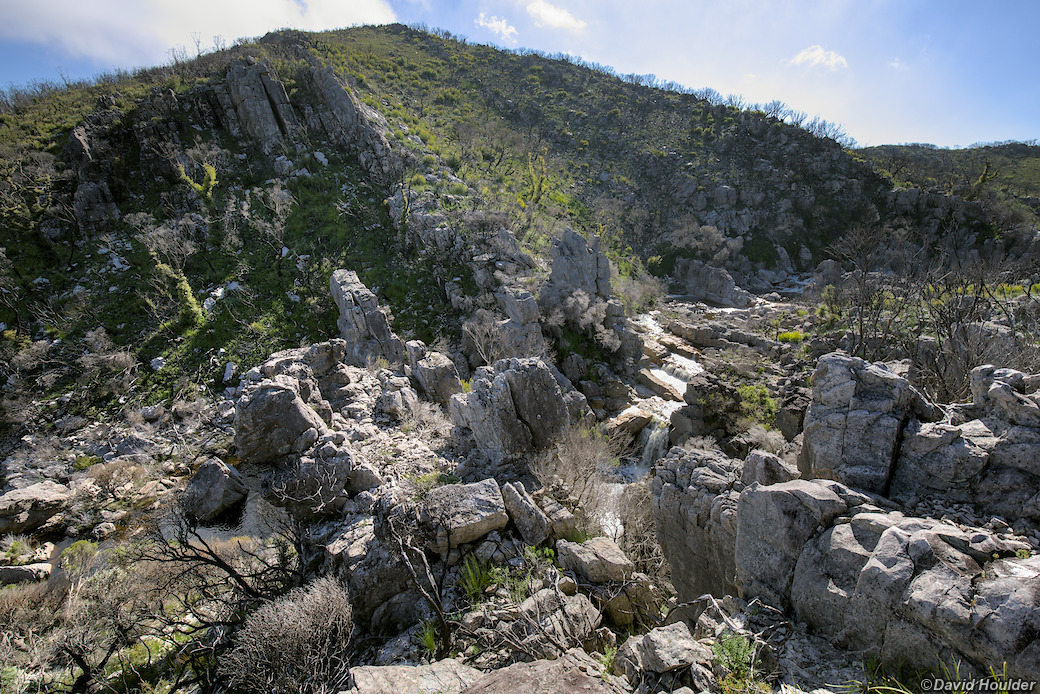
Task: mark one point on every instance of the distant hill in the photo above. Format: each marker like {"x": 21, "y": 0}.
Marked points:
{"x": 193, "y": 212}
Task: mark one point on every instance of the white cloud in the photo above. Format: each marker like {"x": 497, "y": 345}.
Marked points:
{"x": 897, "y": 64}
{"x": 547, "y": 14}
{"x": 497, "y": 26}
{"x": 135, "y": 32}
{"x": 816, "y": 56}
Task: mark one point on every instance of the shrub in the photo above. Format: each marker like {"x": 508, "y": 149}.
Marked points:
{"x": 475, "y": 577}
{"x": 734, "y": 652}
{"x": 791, "y": 336}
{"x": 756, "y": 405}
{"x": 295, "y": 644}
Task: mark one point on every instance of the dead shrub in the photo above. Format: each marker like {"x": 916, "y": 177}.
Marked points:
{"x": 298, "y": 643}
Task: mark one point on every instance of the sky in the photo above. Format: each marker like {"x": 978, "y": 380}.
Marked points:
{"x": 947, "y": 72}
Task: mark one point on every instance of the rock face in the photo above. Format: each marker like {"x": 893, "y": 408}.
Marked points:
{"x": 213, "y": 488}
{"x": 870, "y": 429}
{"x": 513, "y": 407}
{"x": 436, "y": 374}
{"x": 362, "y": 323}
{"x": 695, "y": 513}
{"x": 463, "y": 513}
{"x": 25, "y": 510}
{"x": 260, "y": 101}
{"x": 579, "y": 294}
{"x": 855, "y": 423}
{"x": 710, "y": 284}
{"x": 272, "y": 420}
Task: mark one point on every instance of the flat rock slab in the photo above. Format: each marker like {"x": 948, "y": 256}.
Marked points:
{"x": 445, "y": 677}
{"x": 597, "y": 560}
{"x": 571, "y": 674}
{"x": 466, "y": 512}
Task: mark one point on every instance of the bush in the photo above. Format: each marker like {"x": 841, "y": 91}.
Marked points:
{"x": 295, "y": 644}
{"x": 792, "y": 336}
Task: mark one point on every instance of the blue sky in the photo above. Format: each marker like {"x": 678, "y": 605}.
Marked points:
{"x": 949, "y": 72}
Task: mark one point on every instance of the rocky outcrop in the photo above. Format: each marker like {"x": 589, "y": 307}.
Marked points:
{"x": 261, "y": 104}
{"x": 528, "y": 518}
{"x": 434, "y": 372}
{"x": 513, "y": 407}
{"x": 362, "y": 323}
{"x": 709, "y": 284}
{"x": 712, "y": 409}
{"x": 273, "y": 420}
{"x": 578, "y": 294}
{"x": 668, "y": 649}
{"x": 214, "y": 488}
{"x": 855, "y": 423}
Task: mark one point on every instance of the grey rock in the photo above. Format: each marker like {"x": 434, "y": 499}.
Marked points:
{"x": 694, "y": 497}
{"x": 663, "y": 649}
{"x": 214, "y": 488}
{"x": 765, "y": 468}
{"x": 362, "y": 323}
{"x": 597, "y": 560}
{"x": 710, "y": 284}
{"x": 436, "y": 373}
{"x": 573, "y": 673}
{"x": 463, "y": 513}
{"x": 444, "y": 676}
{"x": 527, "y": 517}
{"x": 514, "y": 407}
{"x": 271, "y": 418}
{"x": 855, "y": 422}
{"x": 773, "y": 525}
{"x": 26, "y": 573}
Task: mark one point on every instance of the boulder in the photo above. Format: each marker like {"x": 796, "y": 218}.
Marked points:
{"x": 435, "y": 373}
{"x": 444, "y": 676}
{"x": 551, "y": 622}
{"x": 710, "y": 284}
{"x": 25, "y": 510}
{"x": 463, "y": 513}
{"x": 514, "y": 407}
{"x": 214, "y": 488}
{"x": 26, "y": 573}
{"x": 694, "y": 497}
{"x": 664, "y": 649}
{"x": 597, "y": 560}
{"x": 525, "y": 514}
{"x": 562, "y": 523}
{"x": 856, "y": 420}
{"x": 362, "y": 323}
{"x": 272, "y": 420}
{"x": 261, "y": 103}
{"x": 765, "y": 468}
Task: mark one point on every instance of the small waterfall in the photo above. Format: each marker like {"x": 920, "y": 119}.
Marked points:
{"x": 656, "y": 445}
{"x": 682, "y": 368}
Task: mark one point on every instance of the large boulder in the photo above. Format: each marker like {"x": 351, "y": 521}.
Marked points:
{"x": 25, "y": 510}
{"x": 272, "y": 420}
{"x": 362, "y": 323}
{"x": 214, "y": 488}
{"x": 436, "y": 373}
{"x": 666, "y": 649}
{"x": 856, "y": 420}
{"x": 695, "y": 513}
{"x": 710, "y": 284}
{"x": 463, "y": 513}
{"x": 597, "y": 560}
{"x": 514, "y": 407}
{"x": 528, "y": 518}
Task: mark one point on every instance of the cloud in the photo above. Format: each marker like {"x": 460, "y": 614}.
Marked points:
{"x": 816, "y": 56}
{"x": 897, "y": 64}
{"x": 497, "y": 26}
{"x": 135, "y": 32}
{"x": 547, "y": 14}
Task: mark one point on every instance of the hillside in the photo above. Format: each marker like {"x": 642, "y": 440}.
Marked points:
{"x": 372, "y": 361}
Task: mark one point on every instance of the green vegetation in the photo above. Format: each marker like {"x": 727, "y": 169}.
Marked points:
{"x": 475, "y": 578}
{"x": 757, "y": 405}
